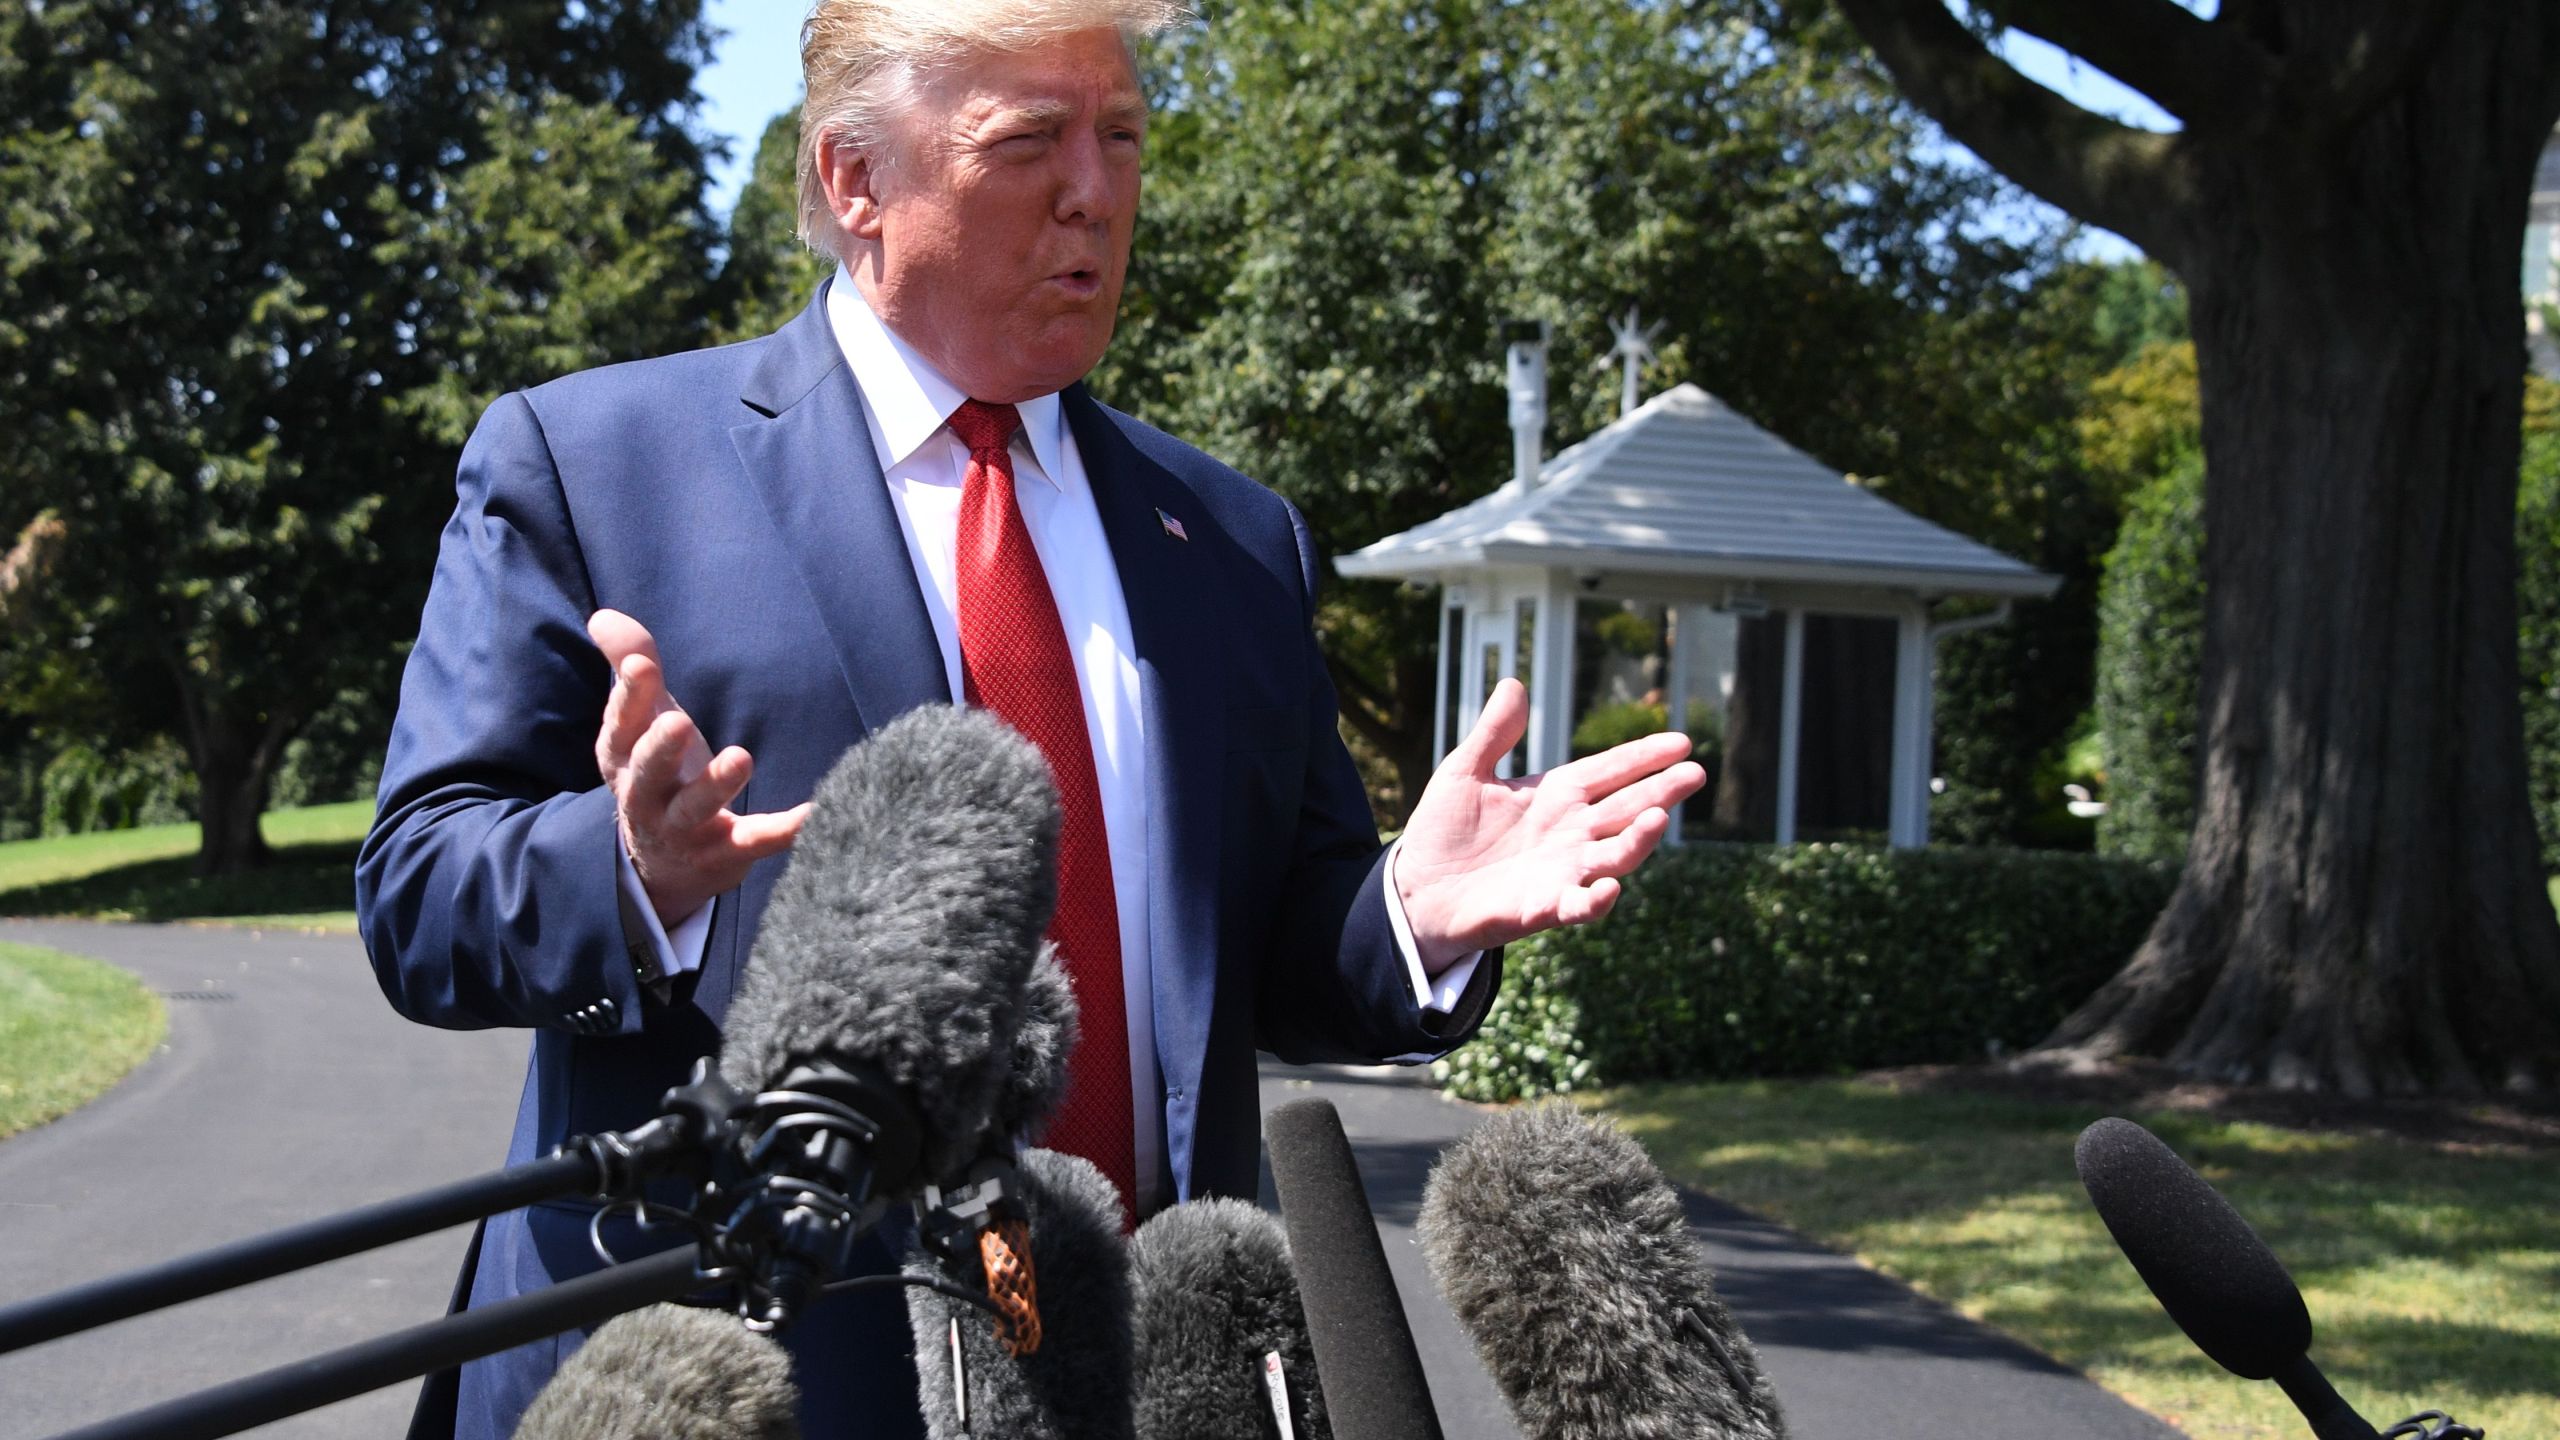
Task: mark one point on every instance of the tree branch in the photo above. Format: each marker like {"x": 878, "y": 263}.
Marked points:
{"x": 2359, "y": 66}
{"x": 2131, "y": 181}
{"x": 2204, "y": 74}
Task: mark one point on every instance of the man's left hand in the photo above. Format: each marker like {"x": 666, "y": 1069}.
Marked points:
{"x": 1485, "y": 861}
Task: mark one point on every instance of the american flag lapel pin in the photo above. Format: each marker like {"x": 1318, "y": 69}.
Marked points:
{"x": 1172, "y": 526}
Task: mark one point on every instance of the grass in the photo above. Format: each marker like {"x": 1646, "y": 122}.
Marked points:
{"x": 69, "y": 1028}
{"x": 146, "y": 874}
{"x": 2432, "y": 1275}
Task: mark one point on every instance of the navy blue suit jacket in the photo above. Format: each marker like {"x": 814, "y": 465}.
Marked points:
{"x": 730, "y": 501}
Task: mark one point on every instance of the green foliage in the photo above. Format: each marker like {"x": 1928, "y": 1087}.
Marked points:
{"x": 770, "y": 275}
{"x": 83, "y": 789}
{"x": 1343, "y": 200}
{"x": 256, "y": 264}
{"x": 1725, "y": 961}
{"x": 2538, "y": 631}
{"x": 1603, "y": 726}
{"x": 2150, "y": 657}
{"x": 2151, "y": 652}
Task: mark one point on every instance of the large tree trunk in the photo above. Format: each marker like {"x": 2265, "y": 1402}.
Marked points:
{"x": 235, "y": 760}
{"x": 2362, "y": 908}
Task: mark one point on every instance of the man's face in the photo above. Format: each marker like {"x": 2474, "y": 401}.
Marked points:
{"x": 997, "y": 235}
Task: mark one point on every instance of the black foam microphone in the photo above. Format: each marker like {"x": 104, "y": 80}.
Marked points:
{"x": 1075, "y": 1385}
{"x": 1223, "y": 1349}
{"x": 877, "y": 1020}
{"x": 669, "y": 1372}
{"x": 1372, "y": 1377}
{"x": 2210, "y": 1270}
{"x": 1567, "y": 1257}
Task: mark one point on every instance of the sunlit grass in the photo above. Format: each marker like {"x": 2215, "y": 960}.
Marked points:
{"x": 146, "y": 874}
{"x": 69, "y": 1028}
{"x": 2433, "y": 1276}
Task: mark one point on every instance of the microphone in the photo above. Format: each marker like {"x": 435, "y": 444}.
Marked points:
{"x": 1075, "y": 1384}
{"x": 669, "y": 1372}
{"x": 1371, "y": 1375}
{"x": 1223, "y": 1349}
{"x": 1036, "y": 1079}
{"x": 2209, "y": 1269}
{"x": 878, "y": 1016}
{"x": 1566, "y": 1256}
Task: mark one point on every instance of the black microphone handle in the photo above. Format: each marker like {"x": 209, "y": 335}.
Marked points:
{"x": 2331, "y": 1417}
{"x": 1374, "y": 1385}
{"x": 405, "y": 1355}
{"x": 263, "y": 1257}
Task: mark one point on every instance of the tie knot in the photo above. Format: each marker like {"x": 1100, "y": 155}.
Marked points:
{"x": 985, "y": 428}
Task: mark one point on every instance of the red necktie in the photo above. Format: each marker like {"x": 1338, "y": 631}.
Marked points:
{"x": 1015, "y": 662}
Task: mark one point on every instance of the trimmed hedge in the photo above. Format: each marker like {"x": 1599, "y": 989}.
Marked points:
{"x": 2150, "y": 649}
{"x": 1723, "y": 961}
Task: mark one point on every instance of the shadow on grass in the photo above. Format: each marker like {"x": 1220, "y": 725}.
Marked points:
{"x": 2430, "y": 1270}
{"x": 297, "y": 879}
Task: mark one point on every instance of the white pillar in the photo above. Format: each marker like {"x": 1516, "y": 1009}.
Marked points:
{"x": 1551, "y": 675}
{"x": 1908, "y": 825}
{"x": 1790, "y": 726}
{"x": 1675, "y": 693}
{"x": 1452, "y": 634}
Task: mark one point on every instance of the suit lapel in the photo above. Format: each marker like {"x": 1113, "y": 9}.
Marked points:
{"x": 810, "y": 460}
{"x": 1170, "y": 587}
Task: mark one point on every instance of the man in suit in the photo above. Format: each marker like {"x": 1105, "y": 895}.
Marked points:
{"x": 904, "y": 497}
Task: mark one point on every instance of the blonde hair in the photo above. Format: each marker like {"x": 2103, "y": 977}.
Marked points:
{"x": 862, "y": 59}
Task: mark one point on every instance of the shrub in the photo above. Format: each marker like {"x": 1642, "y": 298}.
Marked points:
{"x": 1730, "y": 960}
{"x": 2150, "y": 654}
{"x": 2150, "y": 649}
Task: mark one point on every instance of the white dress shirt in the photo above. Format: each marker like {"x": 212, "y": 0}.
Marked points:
{"x": 905, "y": 405}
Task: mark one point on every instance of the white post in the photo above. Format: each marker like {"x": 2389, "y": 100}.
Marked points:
{"x": 1908, "y": 824}
{"x": 1675, "y": 693}
{"x": 1504, "y": 617}
{"x": 1790, "y": 726}
{"x": 1452, "y": 629}
{"x": 1551, "y": 676}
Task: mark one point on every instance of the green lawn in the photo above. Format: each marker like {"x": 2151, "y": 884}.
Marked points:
{"x": 69, "y": 1028}
{"x": 2432, "y": 1273}
{"x": 144, "y": 874}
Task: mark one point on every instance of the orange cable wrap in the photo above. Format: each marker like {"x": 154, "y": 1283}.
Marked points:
{"x": 1005, "y": 1249}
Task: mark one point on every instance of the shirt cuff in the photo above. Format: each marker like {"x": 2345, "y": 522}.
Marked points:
{"x": 1437, "y": 994}
{"x": 679, "y": 951}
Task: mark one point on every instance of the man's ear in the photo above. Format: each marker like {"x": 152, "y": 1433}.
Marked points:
{"x": 850, "y": 182}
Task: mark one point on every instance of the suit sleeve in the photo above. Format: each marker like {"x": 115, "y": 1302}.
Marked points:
{"x": 1336, "y": 988}
{"x": 487, "y": 892}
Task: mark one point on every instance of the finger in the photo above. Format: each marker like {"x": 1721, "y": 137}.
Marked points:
{"x": 1586, "y": 903}
{"x": 1621, "y": 765}
{"x": 1624, "y": 851}
{"x": 1498, "y": 729}
{"x": 1610, "y": 813}
{"x": 634, "y": 702}
{"x": 657, "y": 769}
{"x": 620, "y": 637}
{"x": 757, "y": 836}
{"x": 710, "y": 793}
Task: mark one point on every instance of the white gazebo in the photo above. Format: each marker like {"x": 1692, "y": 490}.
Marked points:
{"x": 1727, "y": 549}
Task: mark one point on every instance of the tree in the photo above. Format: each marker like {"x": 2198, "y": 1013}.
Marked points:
{"x": 769, "y": 274}
{"x": 1327, "y": 247}
{"x": 234, "y": 343}
{"x": 2361, "y": 910}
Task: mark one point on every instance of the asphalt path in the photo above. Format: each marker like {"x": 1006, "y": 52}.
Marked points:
{"x": 288, "y": 1091}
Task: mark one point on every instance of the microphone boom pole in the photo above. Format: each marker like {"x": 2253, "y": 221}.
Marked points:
{"x": 406, "y": 1354}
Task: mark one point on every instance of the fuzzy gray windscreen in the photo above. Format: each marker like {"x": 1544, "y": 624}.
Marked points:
{"x": 905, "y": 927}
{"x": 1567, "y": 1258}
{"x": 1076, "y": 1385}
{"x": 1037, "y": 1080}
{"x": 669, "y": 1372}
{"x": 1215, "y": 1294}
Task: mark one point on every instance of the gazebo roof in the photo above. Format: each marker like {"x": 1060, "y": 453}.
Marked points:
{"x": 1684, "y": 486}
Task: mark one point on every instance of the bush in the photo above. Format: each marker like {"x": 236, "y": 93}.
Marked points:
{"x": 2150, "y": 654}
{"x": 1728, "y": 960}
{"x": 2151, "y": 642}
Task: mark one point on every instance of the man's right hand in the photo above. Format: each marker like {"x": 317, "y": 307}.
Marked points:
{"x": 670, "y": 793}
